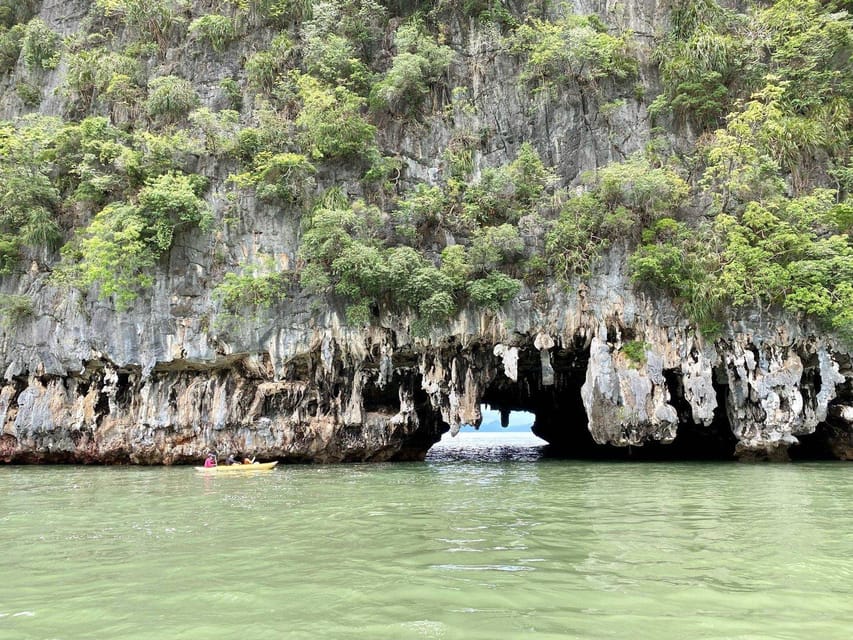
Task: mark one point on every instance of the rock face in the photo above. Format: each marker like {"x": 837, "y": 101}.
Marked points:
{"x": 606, "y": 370}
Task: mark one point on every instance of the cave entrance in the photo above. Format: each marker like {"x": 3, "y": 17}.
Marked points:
{"x": 501, "y": 436}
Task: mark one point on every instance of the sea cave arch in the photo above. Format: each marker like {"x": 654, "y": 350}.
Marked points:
{"x": 547, "y": 384}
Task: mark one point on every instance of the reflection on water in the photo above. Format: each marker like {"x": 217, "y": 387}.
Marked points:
{"x": 469, "y": 545}
{"x": 487, "y": 447}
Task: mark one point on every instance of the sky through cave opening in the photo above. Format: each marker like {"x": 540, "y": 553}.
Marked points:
{"x": 491, "y": 442}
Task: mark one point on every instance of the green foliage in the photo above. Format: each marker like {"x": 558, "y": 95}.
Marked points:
{"x": 646, "y": 191}
{"x": 276, "y": 13}
{"x": 423, "y": 209}
{"x": 810, "y": 43}
{"x": 419, "y": 64}
{"x": 232, "y": 90}
{"x": 494, "y": 290}
{"x": 505, "y": 194}
{"x": 10, "y": 46}
{"x": 98, "y": 76}
{"x": 494, "y": 246}
{"x": 574, "y": 49}
{"x": 623, "y": 199}
{"x": 265, "y": 69}
{"x": 331, "y": 228}
{"x": 635, "y": 351}
{"x": 455, "y": 266}
{"x": 28, "y": 199}
{"x": 239, "y": 292}
{"x": 684, "y": 263}
{"x": 15, "y": 12}
{"x": 706, "y": 56}
{"x": 219, "y": 130}
{"x": 14, "y": 309}
{"x": 360, "y": 22}
{"x": 331, "y": 122}
{"x": 40, "y": 45}
{"x": 113, "y": 252}
{"x": 283, "y": 177}
{"x": 789, "y": 253}
{"x": 28, "y": 93}
{"x": 214, "y": 29}
{"x": 333, "y": 59}
{"x": 146, "y": 20}
{"x": 170, "y": 98}
{"x": 124, "y": 241}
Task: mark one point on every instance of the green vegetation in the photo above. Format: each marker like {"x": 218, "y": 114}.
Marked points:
{"x": 622, "y": 199}
{"x": 744, "y": 203}
{"x": 118, "y": 249}
{"x": 14, "y": 309}
{"x": 40, "y": 45}
{"x": 170, "y": 98}
{"x": 572, "y": 48}
{"x": 216, "y": 30}
{"x": 252, "y": 290}
{"x": 635, "y": 351}
{"x": 420, "y": 62}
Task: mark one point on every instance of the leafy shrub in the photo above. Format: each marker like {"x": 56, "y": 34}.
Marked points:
{"x": 505, "y": 194}
{"x": 330, "y": 121}
{"x": 572, "y": 49}
{"x": 40, "y": 45}
{"x": 112, "y": 252}
{"x": 124, "y": 241}
{"x": 286, "y": 177}
{"x": 279, "y": 13}
{"x": 333, "y": 59}
{"x": 146, "y": 20}
{"x": 250, "y": 290}
{"x": 232, "y": 91}
{"x": 419, "y": 64}
{"x": 10, "y": 47}
{"x": 360, "y": 22}
{"x": 170, "y": 201}
{"x": 635, "y": 351}
{"x": 647, "y": 192}
{"x": 492, "y": 247}
{"x": 422, "y": 209}
{"x": 100, "y": 75}
{"x": 624, "y": 198}
{"x": 215, "y": 29}
{"x": 494, "y": 290}
{"x": 170, "y": 98}
{"x": 704, "y": 61}
{"x": 28, "y": 93}
{"x": 41, "y": 229}
{"x": 14, "y": 309}
{"x": 28, "y": 198}
{"x": 219, "y": 130}
{"x": 15, "y": 12}
{"x": 265, "y": 68}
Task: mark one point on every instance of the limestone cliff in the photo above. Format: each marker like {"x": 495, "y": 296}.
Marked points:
{"x": 175, "y": 375}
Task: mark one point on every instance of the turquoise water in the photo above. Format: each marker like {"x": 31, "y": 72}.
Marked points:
{"x": 474, "y": 543}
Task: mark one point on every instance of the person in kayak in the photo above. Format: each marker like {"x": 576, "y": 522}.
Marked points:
{"x": 230, "y": 460}
{"x": 211, "y": 460}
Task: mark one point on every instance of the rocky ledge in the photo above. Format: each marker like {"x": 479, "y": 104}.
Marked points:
{"x": 606, "y": 371}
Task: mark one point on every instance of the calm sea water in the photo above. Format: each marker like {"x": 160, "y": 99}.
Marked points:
{"x": 475, "y": 543}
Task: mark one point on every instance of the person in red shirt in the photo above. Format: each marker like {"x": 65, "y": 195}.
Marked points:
{"x": 211, "y": 460}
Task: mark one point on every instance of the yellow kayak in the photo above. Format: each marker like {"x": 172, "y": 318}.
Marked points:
{"x": 238, "y": 468}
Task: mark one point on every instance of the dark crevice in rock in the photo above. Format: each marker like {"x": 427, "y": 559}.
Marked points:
{"x": 696, "y": 441}
{"x": 823, "y": 444}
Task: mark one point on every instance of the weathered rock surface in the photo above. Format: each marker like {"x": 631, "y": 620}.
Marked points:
{"x": 173, "y": 378}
